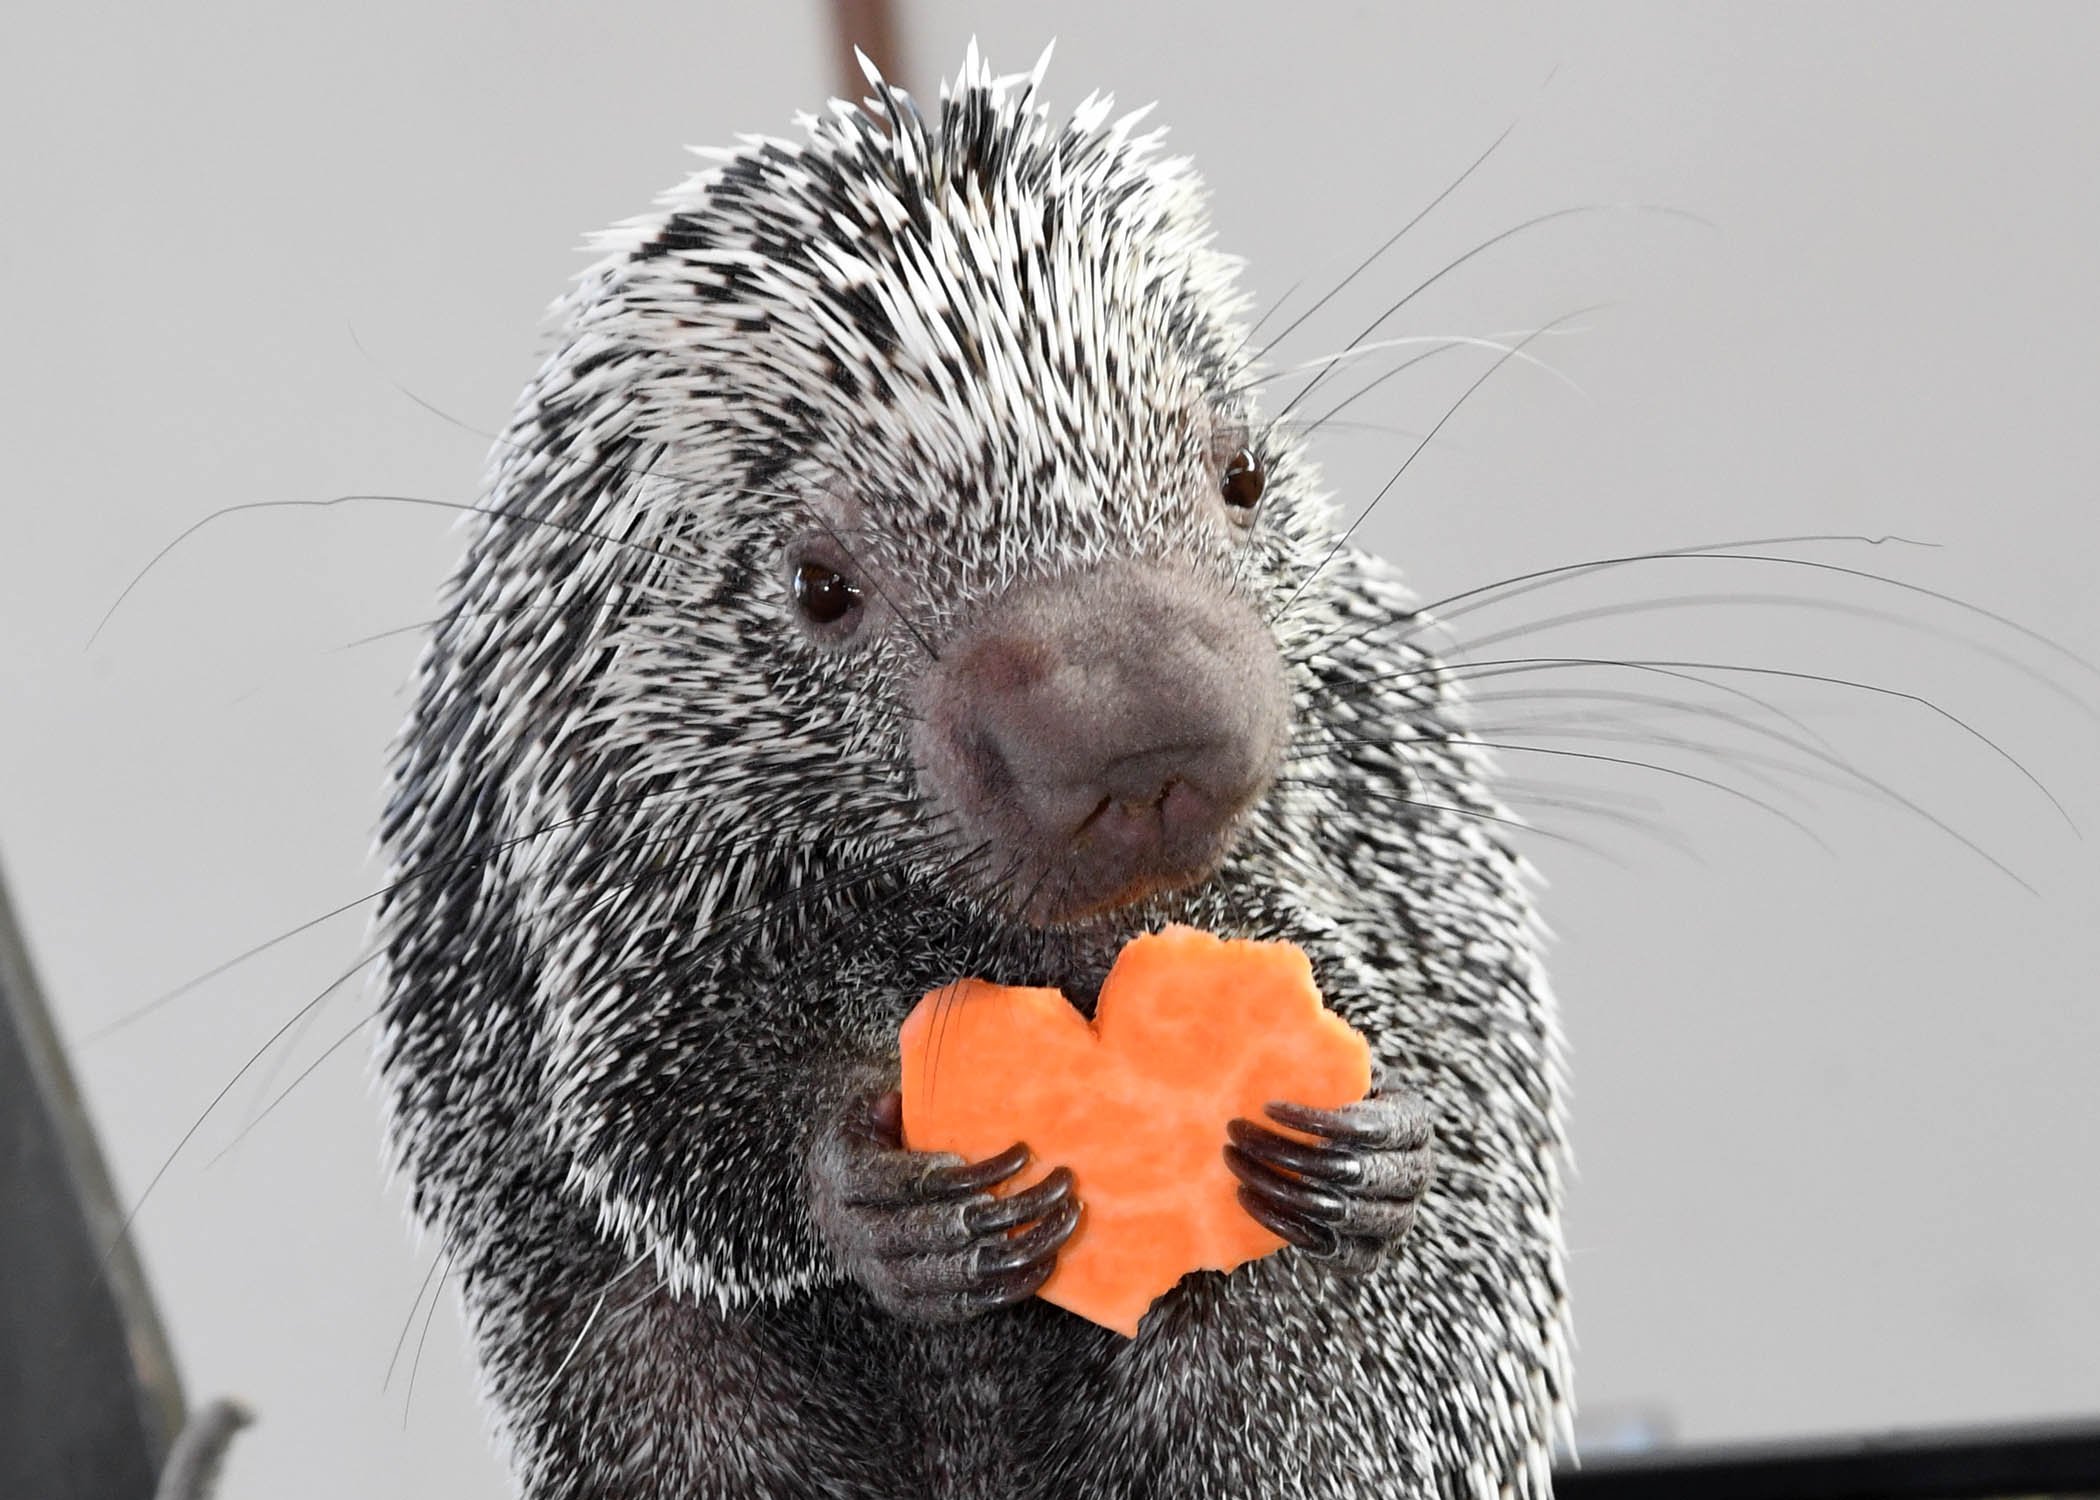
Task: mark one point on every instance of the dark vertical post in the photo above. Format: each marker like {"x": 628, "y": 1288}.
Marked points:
{"x": 89, "y": 1402}
{"x": 870, "y": 25}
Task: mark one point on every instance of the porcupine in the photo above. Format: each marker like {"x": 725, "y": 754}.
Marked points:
{"x": 888, "y": 578}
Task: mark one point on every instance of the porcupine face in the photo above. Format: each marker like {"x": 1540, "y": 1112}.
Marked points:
{"x": 966, "y": 402}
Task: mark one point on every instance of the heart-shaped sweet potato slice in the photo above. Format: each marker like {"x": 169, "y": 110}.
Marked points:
{"x": 1191, "y": 1031}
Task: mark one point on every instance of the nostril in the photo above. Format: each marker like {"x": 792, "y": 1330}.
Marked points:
{"x": 1189, "y": 815}
{"x": 1087, "y": 823}
{"x": 1120, "y": 827}
{"x": 1177, "y": 816}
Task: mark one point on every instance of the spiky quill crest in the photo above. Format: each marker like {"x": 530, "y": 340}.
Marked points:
{"x": 664, "y": 877}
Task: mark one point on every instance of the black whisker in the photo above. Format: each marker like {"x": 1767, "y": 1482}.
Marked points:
{"x": 409, "y": 1322}
{"x": 1478, "y": 816}
{"x": 1233, "y": 359}
{"x": 1792, "y": 720}
{"x": 305, "y": 1073}
{"x": 1677, "y": 771}
{"x": 1368, "y": 261}
{"x": 1543, "y": 576}
{"x": 1485, "y": 245}
{"x": 124, "y": 1228}
{"x": 408, "y": 1399}
{"x": 1438, "y": 612}
{"x": 1449, "y": 412}
{"x": 493, "y": 512}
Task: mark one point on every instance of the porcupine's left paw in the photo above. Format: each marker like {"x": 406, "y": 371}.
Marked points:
{"x": 1349, "y": 1195}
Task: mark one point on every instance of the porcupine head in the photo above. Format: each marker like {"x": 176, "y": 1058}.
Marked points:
{"x": 887, "y": 578}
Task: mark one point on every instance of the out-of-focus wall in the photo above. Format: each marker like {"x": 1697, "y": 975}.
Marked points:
{"x": 1835, "y": 1111}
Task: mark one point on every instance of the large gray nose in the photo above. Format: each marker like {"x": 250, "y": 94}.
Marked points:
{"x": 1100, "y": 733}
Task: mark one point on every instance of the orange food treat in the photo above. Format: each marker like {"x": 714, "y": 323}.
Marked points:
{"x": 1191, "y": 1031}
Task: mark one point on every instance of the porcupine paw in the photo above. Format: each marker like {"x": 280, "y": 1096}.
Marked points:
{"x": 922, "y": 1230}
{"x": 1348, "y": 1196}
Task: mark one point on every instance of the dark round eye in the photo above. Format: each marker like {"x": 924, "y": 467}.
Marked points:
{"x": 823, "y": 594}
{"x": 1242, "y": 485}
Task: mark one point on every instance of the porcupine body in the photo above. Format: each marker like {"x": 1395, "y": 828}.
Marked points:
{"x": 668, "y": 880}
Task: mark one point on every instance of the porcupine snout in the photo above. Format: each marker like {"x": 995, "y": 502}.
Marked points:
{"x": 1100, "y": 733}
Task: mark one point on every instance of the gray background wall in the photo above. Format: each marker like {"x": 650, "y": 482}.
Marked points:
{"x": 1835, "y": 1112}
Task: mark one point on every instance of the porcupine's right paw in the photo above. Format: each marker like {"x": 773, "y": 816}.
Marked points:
{"x": 922, "y": 1230}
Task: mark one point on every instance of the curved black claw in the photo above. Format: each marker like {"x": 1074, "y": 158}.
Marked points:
{"x": 1313, "y": 1238}
{"x": 1350, "y": 1194}
{"x": 923, "y": 1231}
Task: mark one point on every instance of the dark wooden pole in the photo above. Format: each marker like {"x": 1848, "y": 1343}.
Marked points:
{"x": 870, "y": 25}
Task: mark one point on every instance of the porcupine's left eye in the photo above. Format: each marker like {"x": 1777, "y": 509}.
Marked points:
{"x": 823, "y": 594}
{"x": 1242, "y": 484}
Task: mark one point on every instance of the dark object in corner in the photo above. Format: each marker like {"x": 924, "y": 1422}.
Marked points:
{"x": 1979, "y": 1464}
{"x": 89, "y": 1401}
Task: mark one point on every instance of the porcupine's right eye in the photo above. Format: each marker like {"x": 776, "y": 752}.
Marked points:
{"x": 1242, "y": 484}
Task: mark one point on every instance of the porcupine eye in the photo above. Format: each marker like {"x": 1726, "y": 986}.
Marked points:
{"x": 1242, "y": 486}
{"x": 823, "y": 594}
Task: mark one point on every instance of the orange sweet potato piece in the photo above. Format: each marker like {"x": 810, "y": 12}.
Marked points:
{"x": 1191, "y": 1031}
